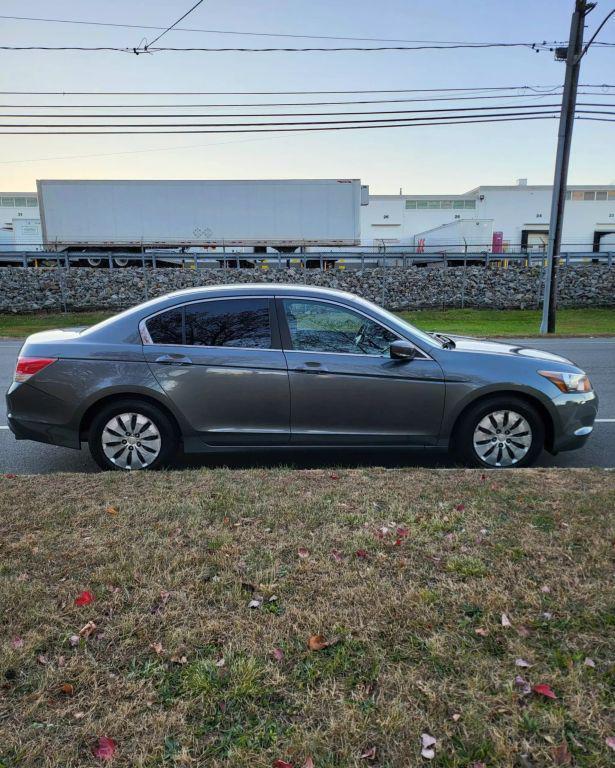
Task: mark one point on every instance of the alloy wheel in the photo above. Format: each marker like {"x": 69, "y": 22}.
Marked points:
{"x": 131, "y": 441}
{"x": 502, "y": 438}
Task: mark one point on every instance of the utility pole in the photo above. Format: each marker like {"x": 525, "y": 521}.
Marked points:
{"x": 569, "y": 101}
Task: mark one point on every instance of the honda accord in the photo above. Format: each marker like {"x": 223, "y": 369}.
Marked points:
{"x": 245, "y": 367}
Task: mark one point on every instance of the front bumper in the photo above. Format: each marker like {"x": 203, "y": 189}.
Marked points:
{"x": 573, "y": 421}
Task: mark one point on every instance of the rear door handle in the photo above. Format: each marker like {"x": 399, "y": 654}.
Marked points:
{"x": 173, "y": 360}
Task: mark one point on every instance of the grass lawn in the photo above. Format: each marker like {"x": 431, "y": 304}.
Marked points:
{"x": 473, "y": 322}
{"x": 513, "y": 322}
{"x": 434, "y": 591}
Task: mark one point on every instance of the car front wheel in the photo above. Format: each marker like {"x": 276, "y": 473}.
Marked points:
{"x": 500, "y": 433}
{"x": 132, "y": 435}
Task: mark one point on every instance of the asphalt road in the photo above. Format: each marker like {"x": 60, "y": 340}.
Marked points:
{"x": 596, "y": 356}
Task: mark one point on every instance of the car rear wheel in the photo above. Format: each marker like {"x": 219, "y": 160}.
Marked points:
{"x": 132, "y": 435}
{"x": 500, "y": 433}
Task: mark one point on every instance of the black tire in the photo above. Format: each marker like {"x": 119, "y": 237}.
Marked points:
{"x": 463, "y": 438}
{"x": 167, "y": 444}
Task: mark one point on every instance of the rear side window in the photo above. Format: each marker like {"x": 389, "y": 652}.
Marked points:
{"x": 229, "y": 323}
{"x": 166, "y": 328}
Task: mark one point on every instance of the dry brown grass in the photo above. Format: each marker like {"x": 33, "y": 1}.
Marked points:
{"x": 186, "y": 552}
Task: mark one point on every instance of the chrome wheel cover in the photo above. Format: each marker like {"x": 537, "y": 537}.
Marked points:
{"x": 502, "y": 438}
{"x": 131, "y": 441}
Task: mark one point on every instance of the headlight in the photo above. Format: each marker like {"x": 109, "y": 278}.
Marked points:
{"x": 568, "y": 382}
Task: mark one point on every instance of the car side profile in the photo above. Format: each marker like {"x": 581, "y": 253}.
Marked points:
{"x": 244, "y": 367}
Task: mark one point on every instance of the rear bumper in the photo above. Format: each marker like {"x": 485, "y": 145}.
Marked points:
{"x": 35, "y": 415}
{"x": 574, "y": 420}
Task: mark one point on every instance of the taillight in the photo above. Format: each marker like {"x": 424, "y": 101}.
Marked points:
{"x": 28, "y": 366}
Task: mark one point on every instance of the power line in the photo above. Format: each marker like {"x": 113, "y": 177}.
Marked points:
{"x": 401, "y": 123}
{"x": 175, "y": 23}
{"x": 591, "y": 40}
{"x": 297, "y": 103}
{"x": 294, "y": 93}
{"x": 176, "y": 115}
{"x": 361, "y": 49}
{"x": 226, "y": 31}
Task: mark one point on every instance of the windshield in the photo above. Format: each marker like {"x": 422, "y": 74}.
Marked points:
{"x": 396, "y": 320}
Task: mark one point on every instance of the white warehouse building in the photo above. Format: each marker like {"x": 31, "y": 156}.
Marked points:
{"x": 498, "y": 219}
{"x": 506, "y": 218}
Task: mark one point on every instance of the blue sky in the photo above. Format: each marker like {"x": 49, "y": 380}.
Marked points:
{"x": 422, "y": 160}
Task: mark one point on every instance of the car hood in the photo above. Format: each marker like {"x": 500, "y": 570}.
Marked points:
{"x": 485, "y": 347}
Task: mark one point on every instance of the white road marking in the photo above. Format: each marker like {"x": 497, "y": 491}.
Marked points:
{"x": 605, "y": 421}
{"x": 3, "y": 427}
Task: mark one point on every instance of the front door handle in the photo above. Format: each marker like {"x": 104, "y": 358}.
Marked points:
{"x": 173, "y": 360}
{"x": 311, "y": 368}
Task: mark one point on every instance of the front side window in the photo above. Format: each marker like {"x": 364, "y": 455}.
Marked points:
{"x": 321, "y": 327}
{"x": 229, "y": 323}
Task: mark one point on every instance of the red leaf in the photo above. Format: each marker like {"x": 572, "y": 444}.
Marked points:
{"x": 278, "y": 654}
{"x": 281, "y": 764}
{"x": 460, "y": 507}
{"x": 104, "y": 748}
{"x": 10, "y": 476}
{"x": 337, "y": 555}
{"x": 17, "y": 642}
{"x": 85, "y": 598}
{"x": 303, "y": 552}
{"x": 334, "y": 476}
{"x": 401, "y": 532}
{"x": 361, "y": 554}
{"x": 544, "y": 690}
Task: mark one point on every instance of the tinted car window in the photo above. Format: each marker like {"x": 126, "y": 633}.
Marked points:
{"x": 166, "y": 328}
{"x": 321, "y": 327}
{"x": 229, "y": 323}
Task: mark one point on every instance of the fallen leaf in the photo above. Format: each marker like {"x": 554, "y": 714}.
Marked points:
{"x": 542, "y": 689}
{"x": 282, "y": 764}
{"x": 333, "y": 476}
{"x": 523, "y": 631}
{"x": 610, "y": 741}
{"x": 178, "y": 658}
{"x": 17, "y": 642}
{"x": 42, "y": 659}
{"x": 87, "y": 630}
{"x": 303, "y": 552}
{"x": 481, "y": 632}
{"x": 561, "y": 755}
{"x": 401, "y": 531}
{"x": 545, "y": 589}
{"x": 157, "y": 648}
{"x": 221, "y": 662}
{"x": 73, "y": 640}
{"x": 337, "y": 555}
{"x": 317, "y": 643}
{"x": 278, "y": 654}
{"x": 85, "y": 598}
{"x": 522, "y": 663}
{"x": 104, "y": 748}
{"x": 254, "y": 603}
{"x": 112, "y": 510}
{"x": 361, "y": 554}
{"x": 369, "y": 753}
{"x": 309, "y": 763}
{"x": 460, "y": 507}
{"x": 547, "y": 616}
{"x": 505, "y": 621}
{"x": 67, "y": 689}
{"x": 456, "y": 717}
{"x": 589, "y": 662}
{"x": 479, "y": 765}
{"x": 525, "y": 687}
{"x": 10, "y": 476}
{"x": 428, "y": 744}
{"x": 79, "y": 715}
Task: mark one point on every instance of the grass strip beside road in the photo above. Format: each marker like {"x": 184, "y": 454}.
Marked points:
{"x": 471, "y": 322}
{"x": 413, "y": 577}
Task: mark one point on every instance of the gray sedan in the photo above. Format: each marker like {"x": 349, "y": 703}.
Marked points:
{"x": 254, "y": 366}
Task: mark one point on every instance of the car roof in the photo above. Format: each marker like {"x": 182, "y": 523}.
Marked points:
{"x": 256, "y": 289}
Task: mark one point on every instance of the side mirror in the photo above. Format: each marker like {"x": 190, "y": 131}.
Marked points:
{"x": 402, "y": 350}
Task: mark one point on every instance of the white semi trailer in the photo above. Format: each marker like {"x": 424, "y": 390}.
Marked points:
{"x": 239, "y": 216}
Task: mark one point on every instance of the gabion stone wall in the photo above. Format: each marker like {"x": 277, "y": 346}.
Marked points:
{"x": 80, "y": 288}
